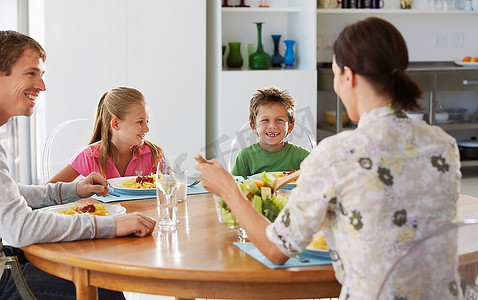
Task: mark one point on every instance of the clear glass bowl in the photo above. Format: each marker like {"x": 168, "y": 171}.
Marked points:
{"x": 227, "y": 218}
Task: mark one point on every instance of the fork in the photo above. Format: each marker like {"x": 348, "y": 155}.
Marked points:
{"x": 194, "y": 183}
{"x": 302, "y": 259}
{"x": 111, "y": 190}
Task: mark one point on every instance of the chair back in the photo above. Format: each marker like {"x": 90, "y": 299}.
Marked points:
{"x": 11, "y": 263}
{"x": 245, "y": 137}
{"x": 414, "y": 274}
{"x": 62, "y": 143}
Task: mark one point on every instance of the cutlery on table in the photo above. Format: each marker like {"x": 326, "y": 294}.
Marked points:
{"x": 111, "y": 190}
{"x": 301, "y": 259}
{"x": 194, "y": 183}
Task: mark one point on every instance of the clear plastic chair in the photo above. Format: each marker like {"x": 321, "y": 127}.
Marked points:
{"x": 244, "y": 137}
{"x": 62, "y": 143}
{"x": 11, "y": 262}
{"x": 405, "y": 278}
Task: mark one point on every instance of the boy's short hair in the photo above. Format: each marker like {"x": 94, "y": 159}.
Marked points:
{"x": 12, "y": 46}
{"x": 268, "y": 96}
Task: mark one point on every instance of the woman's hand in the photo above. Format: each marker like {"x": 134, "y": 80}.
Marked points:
{"x": 215, "y": 178}
{"x": 136, "y": 223}
{"x": 92, "y": 184}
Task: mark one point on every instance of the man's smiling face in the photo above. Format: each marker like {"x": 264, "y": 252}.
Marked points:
{"x": 19, "y": 90}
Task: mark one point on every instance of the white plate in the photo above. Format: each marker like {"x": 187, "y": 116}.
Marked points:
{"x": 113, "y": 210}
{"x": 117, "y": 184}
{"x": 466, "y": 64}
{"x": 257, "y": 177}
{"x": 311, "y": 250}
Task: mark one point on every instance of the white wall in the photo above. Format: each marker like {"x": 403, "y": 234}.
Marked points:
{"x": 8, "y": 15}
{"x": 95, "y": 45}
{"x": 419, "y": 29}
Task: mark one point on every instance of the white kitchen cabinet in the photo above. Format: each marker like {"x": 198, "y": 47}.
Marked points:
{"x": 431, "y": 35}
{"x": 229, "y": 90}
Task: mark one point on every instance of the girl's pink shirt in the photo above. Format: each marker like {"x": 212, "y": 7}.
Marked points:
{"x": 86, "y": 161}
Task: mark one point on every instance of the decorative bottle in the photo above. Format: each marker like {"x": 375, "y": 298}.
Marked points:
{"x": 276, "y": 59}
{"x": 259, "y": 60}
{"x": 234, "y": 59}
{"x": 289, "y": 58}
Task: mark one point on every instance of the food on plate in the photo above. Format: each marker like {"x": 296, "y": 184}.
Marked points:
{"x": 261, "y": 199}
{"x": 264, "y": 175}
{"x": 96, "y": 209}
{"x": 319, "y": 243}
{"x": 141, "y": 182}
{"x": 470, "y": 59}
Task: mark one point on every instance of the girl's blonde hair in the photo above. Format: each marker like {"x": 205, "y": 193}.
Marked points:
{"x": 117, "y": 102}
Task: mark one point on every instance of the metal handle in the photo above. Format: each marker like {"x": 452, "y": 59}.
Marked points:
{"x": 469, "y": 82}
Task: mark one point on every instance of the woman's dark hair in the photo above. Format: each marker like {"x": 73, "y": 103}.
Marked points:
{"x": 375, "y": 49}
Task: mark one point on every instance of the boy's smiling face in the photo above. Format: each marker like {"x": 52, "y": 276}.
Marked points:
{"x": 272, "y": 126}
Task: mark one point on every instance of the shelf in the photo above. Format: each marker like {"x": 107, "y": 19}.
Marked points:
{"x": 267, "y": 70}
{"x": 458, "y": 126}
{"x": 469, "y": 163}
{"x": 260, "y": 9}
{"x": 383, "y": 11}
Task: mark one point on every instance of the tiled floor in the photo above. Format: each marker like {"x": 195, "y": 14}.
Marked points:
{"x": 469, "y": 186}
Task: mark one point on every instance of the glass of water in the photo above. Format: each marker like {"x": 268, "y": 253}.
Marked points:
{"x": 167, "y": 184}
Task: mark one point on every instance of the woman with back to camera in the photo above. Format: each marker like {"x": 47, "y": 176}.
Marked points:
{"x": 118, "y": 147}
{"x": 373, "y": 190}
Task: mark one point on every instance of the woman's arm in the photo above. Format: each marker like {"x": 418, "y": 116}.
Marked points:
{"x": 218, "y": 181}
{"x": 67, "y": 174}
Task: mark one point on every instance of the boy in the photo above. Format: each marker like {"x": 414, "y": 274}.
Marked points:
{"x": 272, "y": 118}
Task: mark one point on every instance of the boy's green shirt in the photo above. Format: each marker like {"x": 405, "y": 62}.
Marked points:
{"x": 252, "y": 160}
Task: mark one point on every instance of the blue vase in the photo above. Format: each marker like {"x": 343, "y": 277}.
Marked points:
{"x": 276, "y": 58}
{"x": 289, "y": 58}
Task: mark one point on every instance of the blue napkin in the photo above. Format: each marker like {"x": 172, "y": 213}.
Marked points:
{"x": 123, "y": 197}
{"x": 197, "y": 189}
{"x": 251, "y": 250}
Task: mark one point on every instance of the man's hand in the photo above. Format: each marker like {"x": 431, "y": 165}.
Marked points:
{"x": 92, "y": 184}
{"x": 136, "y": 223}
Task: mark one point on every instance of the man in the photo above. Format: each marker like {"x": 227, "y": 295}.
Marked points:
{"x": 22, "y": 66}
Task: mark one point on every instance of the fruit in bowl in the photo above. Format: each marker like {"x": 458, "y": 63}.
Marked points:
{"x": 259, "y": 194}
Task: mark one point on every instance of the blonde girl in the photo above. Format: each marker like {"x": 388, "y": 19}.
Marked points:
{"x": 117, "y": 147}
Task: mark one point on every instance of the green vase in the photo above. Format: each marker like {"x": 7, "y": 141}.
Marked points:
{"x": 234, "y": 59}
{"x": 259, "y": 60}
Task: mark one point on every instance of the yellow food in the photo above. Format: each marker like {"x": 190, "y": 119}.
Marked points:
{"x": 467, "y": 59}
{"x": 281, "y": 174}
{"x": 133, "y": 184}
{"x": 319, "y": 243}
{"x": 100, "y": 210}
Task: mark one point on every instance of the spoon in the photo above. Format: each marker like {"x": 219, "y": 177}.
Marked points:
{"x": 281, "y": 181}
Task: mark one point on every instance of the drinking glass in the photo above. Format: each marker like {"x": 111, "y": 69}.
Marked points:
{"x": 167, "y": 185}
{"x": 183, "y": 183}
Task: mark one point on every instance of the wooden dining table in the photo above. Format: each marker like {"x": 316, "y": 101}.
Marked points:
{"x": 198, "y": 260}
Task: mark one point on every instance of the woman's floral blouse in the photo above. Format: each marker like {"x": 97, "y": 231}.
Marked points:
{"x": 375, "y": 190}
